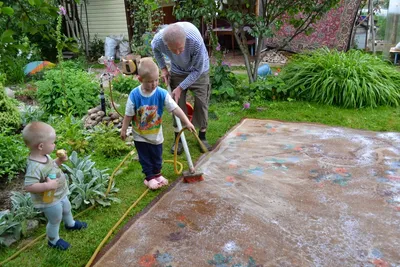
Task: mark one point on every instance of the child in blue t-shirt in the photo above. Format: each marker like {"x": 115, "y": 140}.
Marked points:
{"x": 145, "y": 107}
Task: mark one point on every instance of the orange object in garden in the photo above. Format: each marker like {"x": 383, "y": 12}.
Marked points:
{"x": 37, "y": 66}
{"x": 189, "y": 111}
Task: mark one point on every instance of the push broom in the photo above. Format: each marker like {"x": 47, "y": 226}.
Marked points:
{"x": 190, "y": 176}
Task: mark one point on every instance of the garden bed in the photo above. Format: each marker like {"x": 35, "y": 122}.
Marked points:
{"x": 16, "y": 184}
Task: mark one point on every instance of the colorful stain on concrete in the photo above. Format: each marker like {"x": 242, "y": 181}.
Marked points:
{"x": 391, "y": 180}
{"x": 258, "y": 171}
{"x": 147, "y": 260}
{"x": 164, "y": 258}
{"x": 241, "y": 136}
{"x": 296, "y": 148}
{"x": 221, "y": 260}
{"x": 338, "y": 176}
{"x": 230, "y": 180}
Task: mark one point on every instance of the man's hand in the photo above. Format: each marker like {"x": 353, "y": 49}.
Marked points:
{"x": 176, "y": 94}
{"x": 165, "y": 75}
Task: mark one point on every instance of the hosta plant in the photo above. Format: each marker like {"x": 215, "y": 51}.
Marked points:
{"x": 88, "y": 185}
{"x": 352, "y": 79}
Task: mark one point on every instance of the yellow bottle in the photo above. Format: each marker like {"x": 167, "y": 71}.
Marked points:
{"x": 48, "y": 196}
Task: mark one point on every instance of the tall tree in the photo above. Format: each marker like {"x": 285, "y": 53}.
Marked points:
{"x": 264, "y": 18}
{"x": 261, "y": 19}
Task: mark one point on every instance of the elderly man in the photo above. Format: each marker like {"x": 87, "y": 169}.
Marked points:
{"x": 183, "y": 44}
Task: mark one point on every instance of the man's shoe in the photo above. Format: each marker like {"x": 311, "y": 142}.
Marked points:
{"x": 180, "y": 148}
{"x": 206, "y": 145}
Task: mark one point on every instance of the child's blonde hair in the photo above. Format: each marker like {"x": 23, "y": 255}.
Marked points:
{"x": 147, "y": 66}
{"x": 37, "y": 132}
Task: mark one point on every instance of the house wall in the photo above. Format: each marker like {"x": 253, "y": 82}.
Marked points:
{"x": 105, "y": 17}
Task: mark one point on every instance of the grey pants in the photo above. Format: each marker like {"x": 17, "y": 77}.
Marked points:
{"x": 201, "y": 90}
{"x": 54, "y": 215}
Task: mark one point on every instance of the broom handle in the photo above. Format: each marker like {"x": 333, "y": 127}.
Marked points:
{"x": 183, "y": 139}
{"x": 185, "y": 146}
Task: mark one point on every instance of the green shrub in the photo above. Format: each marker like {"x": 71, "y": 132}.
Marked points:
{"x": 10, "y": 119}
{"x": 31, "y": 113}
{"x": 353, "y": 79}
{"x": 223, "y": 83}
{"x": 105, "y": 141}
{"x": 79, "y": 93}
{"x": 13, "y": 153}
{"x": 270, "y": 88}
{"x": 79, "y": 63}
{"x": 96, "y": 48}
{"x": 15, "y": 71}
{"x": 70, "y": 133}
{"x": 124, "y": 84}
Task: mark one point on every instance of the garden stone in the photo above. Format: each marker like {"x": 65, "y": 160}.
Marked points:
{"x": 114, "y": 115}
{"x": 101, "y": 113}
{"x": 9, "y": 239}
{"x": 106, "y": 119}
{"x": 93, "y": 116}
{"x": 32, "y": 225}
{"x": 10, "y": 93}
{"x": 94, "y": 110}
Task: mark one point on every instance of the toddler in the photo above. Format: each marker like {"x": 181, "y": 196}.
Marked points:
{"x": 40, "y": 138}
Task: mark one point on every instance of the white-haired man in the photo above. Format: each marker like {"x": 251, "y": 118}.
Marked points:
{"x": 184, "y": 45}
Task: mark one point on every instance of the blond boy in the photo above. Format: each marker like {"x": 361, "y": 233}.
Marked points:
{"x": 40, "y": 138}
{"x": 145, "y": 107}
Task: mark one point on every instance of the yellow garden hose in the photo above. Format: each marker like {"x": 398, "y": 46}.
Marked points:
{"x": 114, "y": 227}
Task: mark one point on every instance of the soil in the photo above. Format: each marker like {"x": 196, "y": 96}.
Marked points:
{"x": 27, "y": 100}
{"x": 16, "y": 184}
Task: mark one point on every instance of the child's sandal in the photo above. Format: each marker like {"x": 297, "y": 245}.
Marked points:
{"x": 152, "y": 184}
{"x": 60, "y": 244}
{"x": 77, "y": 226}
{"x": 162, "y": 180}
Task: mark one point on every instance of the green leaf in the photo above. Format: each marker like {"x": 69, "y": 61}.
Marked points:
{"x": 8, "y": 39}
{"x": 7, "y": 10}
{"x": 31, "y": 2}
{"x": 7, "y": 33}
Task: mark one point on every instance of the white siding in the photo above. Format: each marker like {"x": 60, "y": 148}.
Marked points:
{"x": 105, "y": 17}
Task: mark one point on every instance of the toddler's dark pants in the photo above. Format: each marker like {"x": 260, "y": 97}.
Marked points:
{"x": 150, "y": 157}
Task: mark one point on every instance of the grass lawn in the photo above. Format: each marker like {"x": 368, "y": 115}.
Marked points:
{"x": 130, "y": 180}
